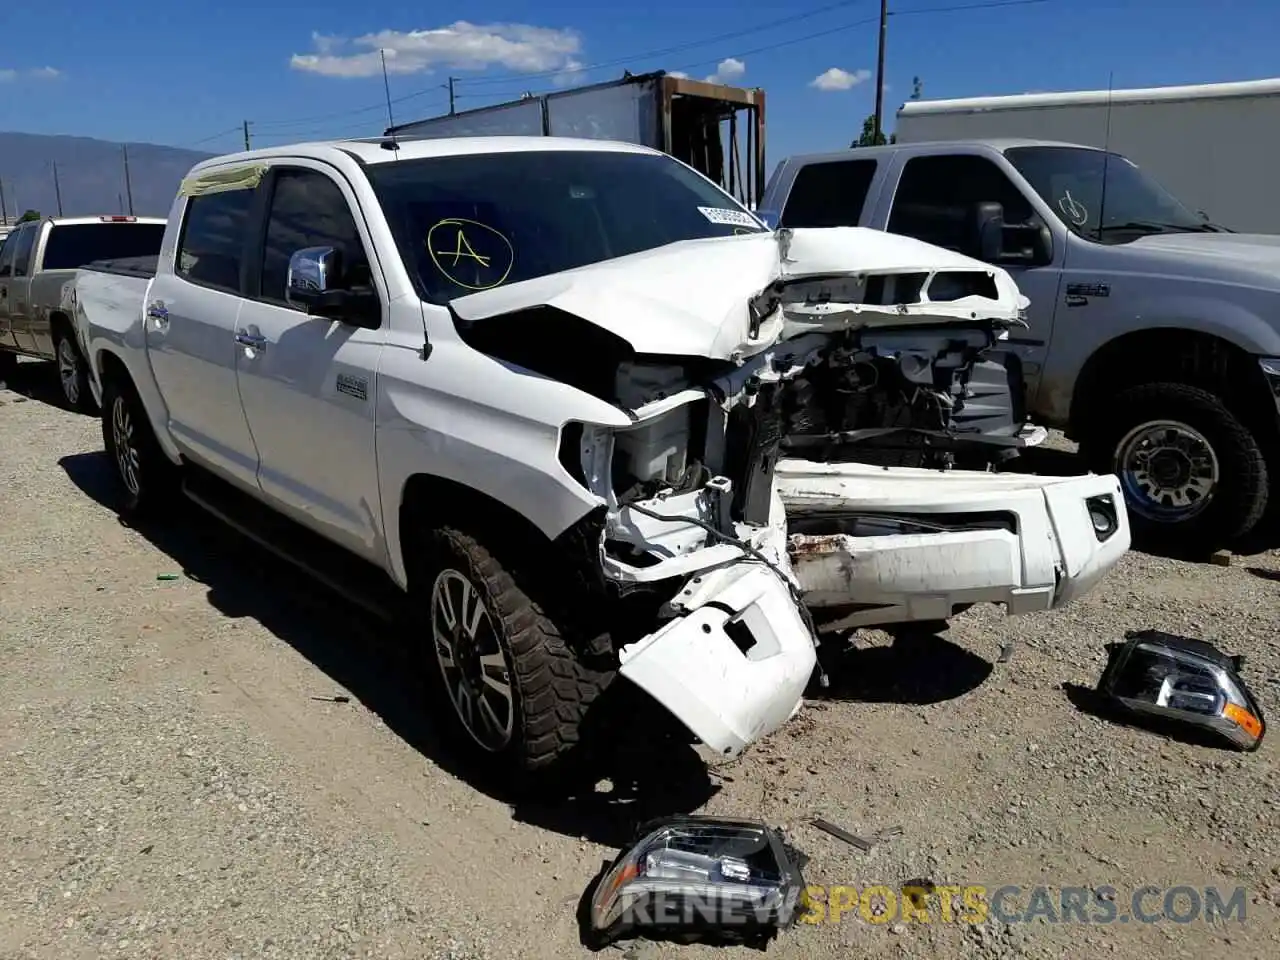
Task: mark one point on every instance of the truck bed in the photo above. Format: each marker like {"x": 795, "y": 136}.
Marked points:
{"x": 142, "y": 267}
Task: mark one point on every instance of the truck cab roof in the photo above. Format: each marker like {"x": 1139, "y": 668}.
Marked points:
{"x": 377, "y": 150}
{"x": 999, "y": 144}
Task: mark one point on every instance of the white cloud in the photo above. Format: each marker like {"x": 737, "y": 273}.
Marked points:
{"x": 729, "y": 69}
{"x": 46, "y": 73}
{"x": 461, "y": 45}
{"x": 8, "y": 75}
{"x": 678, "y": 74}
{"x": 837, "y": 79}
{"x": 571, "y": 74}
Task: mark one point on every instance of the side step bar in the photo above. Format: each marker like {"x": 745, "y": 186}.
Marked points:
{"x": 345, "y": 574}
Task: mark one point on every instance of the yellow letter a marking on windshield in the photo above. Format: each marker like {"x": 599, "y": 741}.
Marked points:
{"x": 458, "y": 252}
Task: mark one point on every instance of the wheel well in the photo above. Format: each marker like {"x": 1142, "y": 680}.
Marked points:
{"x": 111, "y": 367}
{"x": 565, "y": 568}
{"x": 59, "y": 319}
{"x": 1176, "y": 356}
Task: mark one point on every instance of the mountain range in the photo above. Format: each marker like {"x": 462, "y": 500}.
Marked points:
{"x": 90, "y": 175}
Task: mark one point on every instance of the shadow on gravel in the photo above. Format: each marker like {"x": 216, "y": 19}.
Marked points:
{"x": 35, "y": 380}
{"x": 638, "y": 762}
{"x": 1264, "y": 574}
{"x": 916, "y": 669}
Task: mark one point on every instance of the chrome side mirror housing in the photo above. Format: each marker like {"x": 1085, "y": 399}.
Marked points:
{"x": 313, "y": 272}
{"x": 1169, "y": 679}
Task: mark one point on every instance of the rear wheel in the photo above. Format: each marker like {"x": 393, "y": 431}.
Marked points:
{"x": 73, "y": 373}
{"x": 146, "y": 474}
{"x": 1193, "y": 476}
{"x": 510, "y": 686}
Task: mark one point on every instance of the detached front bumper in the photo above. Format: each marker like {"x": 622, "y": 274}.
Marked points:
{"x": 733, "y": 667}
{"x": 1026, "y": 543}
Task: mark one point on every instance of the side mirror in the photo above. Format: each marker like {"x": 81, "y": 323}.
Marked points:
{"x": 770, "y": 218}
{"x": 314, "y": 283}
{"x": 1169, "y": 680}
{"x": 994, "y": 241}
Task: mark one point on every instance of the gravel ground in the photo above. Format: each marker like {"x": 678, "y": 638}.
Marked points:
{"x": 175, "y": 784}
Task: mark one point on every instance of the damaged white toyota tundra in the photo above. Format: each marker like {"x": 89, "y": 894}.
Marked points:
{"x": 586, "y": 414}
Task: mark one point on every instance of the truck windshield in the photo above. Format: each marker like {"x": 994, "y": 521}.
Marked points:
{"x": 469, "y": 223}
{"x": 72, "y": 245}
{"x": 1070, "y": 181}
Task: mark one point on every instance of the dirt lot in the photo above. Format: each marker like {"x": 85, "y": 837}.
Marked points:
{"x": 175, "y": 784}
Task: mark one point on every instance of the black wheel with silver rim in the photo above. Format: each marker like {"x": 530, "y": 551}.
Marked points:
{"x": 1193, "y": 476}
{"x": 476, "y": 674}
{"x": 146, "y": 475}
{"x": 71, "y": 371}
{"x": 503, "y": 674}
{"x": 1169, "y": 470}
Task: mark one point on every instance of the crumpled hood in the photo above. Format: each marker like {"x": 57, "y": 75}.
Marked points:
{"x": 695, "y": 297}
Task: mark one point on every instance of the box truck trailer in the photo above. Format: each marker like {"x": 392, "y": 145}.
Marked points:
{"x": 715, "y": 128}
{"x": 1211, "y": 145}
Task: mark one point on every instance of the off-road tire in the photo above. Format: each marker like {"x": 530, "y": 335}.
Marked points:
{"x": 155, "y": 475}
{"x": 552, "y": 685}
{"x": 82, "y": 402}
{"x": 1241, "y": 496}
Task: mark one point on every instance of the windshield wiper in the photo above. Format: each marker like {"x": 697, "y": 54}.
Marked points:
{"x": 1155, "y": 226}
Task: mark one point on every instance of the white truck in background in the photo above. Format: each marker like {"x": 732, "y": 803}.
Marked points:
{"x": 557, "y": 446}
{"x": 1212, "y": 145}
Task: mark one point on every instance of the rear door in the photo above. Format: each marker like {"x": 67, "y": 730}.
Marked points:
{"x": 191, "y": 312}
{"x": 307, "y": 382}
{"x": 830, "y": 193}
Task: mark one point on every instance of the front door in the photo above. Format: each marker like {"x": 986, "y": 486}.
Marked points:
{"x": 307, "y": 382}
{"x": 17, "y": 288}
{"x": 191, "y": 313}
{"x": 6, "y": 277}
{"x": 934, "y": 200}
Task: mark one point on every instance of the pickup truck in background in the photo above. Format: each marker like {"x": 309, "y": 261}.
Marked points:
{"x": 1153, "y": 337}
{"x": 38, "y": 262}
{"x": 529, "y": 396}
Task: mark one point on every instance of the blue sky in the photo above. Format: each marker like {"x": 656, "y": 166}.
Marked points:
{"x": 189, "y": 73}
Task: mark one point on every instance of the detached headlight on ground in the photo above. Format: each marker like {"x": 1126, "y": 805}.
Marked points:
{"x": 1166, "y": 677}
{"x": 688, "y": 875}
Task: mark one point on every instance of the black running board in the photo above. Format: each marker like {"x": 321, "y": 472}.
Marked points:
{"x": 339, "y": 570}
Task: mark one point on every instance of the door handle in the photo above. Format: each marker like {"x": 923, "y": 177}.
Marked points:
{"x": 246, "y": 339}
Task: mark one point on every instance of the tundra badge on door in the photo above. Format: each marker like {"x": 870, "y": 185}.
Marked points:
{"x": 357, "y": 387}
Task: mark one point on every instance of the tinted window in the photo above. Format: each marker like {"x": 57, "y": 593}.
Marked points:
{"x": 213, "y": 234}
{"x": 937, "y": 196}
{"x": 26, "y": 237}
{"x": 6, "y": 254}
{"x": 73, "y": 245}
{"x": 474, "y": 222}
{"x": 829, "y": 194}
{"x": 308, "y": 210}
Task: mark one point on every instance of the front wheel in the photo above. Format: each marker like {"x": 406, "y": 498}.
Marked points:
{"x": 1193, "y": 476}
{"x": 505, "y": 677}
{"x": 146, "y": 474}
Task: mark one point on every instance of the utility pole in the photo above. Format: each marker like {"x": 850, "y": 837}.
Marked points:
{"x": 884, "y": 29}
{"x": 451, "y": 110}
{"x": 246, "y": 136}
{"x": 4, "y": 212}
{"x": 128, "y": 184}
{"x": 57, "y": 188}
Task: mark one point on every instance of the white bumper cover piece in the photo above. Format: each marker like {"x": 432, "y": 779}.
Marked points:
{"x": 734, "y": 666}
{"x": 1048, "y": 555}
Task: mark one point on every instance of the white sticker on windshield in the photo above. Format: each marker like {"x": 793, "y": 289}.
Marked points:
{"x": 728, "y": 217}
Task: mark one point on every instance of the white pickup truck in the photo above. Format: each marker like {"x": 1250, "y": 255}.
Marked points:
{"x": 536, "y": 387}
